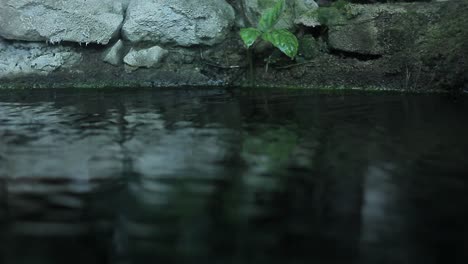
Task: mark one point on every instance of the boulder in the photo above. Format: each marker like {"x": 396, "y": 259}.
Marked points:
{"x": 145, "y": 58}
{"x": 83, "y": 21}
{"x": 114, "y": 54}
{"x": 21, "y": 59}
{"x": 381, "y": 29}
{"x": 179, "y": 22}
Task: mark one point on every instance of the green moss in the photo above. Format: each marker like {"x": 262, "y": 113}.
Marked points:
{"x": 310, "y": 48}
{"x": 443, "y": 51}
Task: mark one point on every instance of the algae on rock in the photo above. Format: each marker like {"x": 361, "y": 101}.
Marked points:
{"x": 443, "y": 50}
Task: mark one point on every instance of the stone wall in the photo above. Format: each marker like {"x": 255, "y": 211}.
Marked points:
{"x": 95, "y": 43}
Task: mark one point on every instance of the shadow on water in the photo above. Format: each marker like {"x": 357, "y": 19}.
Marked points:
{"x": 217, "y": 176}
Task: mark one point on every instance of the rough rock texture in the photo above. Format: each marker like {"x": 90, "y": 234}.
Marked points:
{"x": 22, "y": 59}
{"x": 114, "y": 54}
{"x": 397, "y": 46}
{"x": 381, "y": 29}
{"x": 180, "y": 22}
{"x": 294, "y": 9}
{"x": 307, "y": 20}
{"x": 125, "y": 3}
{"x": 145, "y": 58}
{"x": 3, "y": 45}
{"x": 442, "y": 51}
{"x": 84, "y": 21}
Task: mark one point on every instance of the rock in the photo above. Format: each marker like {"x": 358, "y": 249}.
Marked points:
{"x": 294, "y": 9}
{"x": 255, "y": 8}
{"x": 180, "y": 22}
{"x": 303, "y": 6}
{"x": 381, "y": 29}
{"x": 145, "y": 58}
{"x": 83, "y": 21}
{"x": 308, "y": 21}
{"x": 125, "y": 4}
{"x": 2, "y": 45}
{"x": 114, "y": 54}
{"x": 240, "y": 21}
{"x": 310, "y": 48}
{"x": 442, "y": 51}
{"x": 303, "y": 10}
{"x": 21, "y": 59}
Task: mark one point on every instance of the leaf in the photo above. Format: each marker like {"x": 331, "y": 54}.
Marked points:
{"x": 249, "y": 36}
{"x": 271, "y": 17}
{"x": 283, "y": 40}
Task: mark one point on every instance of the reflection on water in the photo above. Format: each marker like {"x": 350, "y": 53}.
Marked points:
{"x": 216, "y": 176}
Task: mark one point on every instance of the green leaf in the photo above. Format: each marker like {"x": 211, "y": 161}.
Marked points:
{"x": 249, "y": 36}
{"x": 271, "y": 17}
{"x": 283, "y": 40}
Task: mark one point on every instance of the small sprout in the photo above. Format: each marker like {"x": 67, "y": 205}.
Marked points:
{"x": 282, "y": 39}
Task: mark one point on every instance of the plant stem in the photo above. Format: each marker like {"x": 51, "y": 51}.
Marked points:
{"x": 251, "y": 67}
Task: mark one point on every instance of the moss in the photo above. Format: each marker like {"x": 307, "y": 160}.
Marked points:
{"x": 442, "y": 52}
{"x": 310, "y": 48}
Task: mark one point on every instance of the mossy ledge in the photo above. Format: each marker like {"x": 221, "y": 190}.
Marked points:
{"x": 419, "y": 46}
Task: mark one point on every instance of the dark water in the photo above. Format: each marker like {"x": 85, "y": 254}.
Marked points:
{"x": 216, "y": 176}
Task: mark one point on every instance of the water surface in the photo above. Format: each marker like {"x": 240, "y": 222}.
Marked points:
{"x": 221, "y": 176}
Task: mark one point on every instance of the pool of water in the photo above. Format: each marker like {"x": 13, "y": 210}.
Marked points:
{"x": 231, "y": 176}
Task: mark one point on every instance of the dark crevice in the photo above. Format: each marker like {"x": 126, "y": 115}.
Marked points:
{"x": 316, "y": 32}
{"x": 355, "y": 55}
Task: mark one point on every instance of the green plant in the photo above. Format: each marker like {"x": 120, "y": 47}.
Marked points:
{"x": 282, "y": 39}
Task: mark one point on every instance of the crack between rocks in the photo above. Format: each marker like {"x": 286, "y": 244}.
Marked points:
{"x": 355, "y": 55}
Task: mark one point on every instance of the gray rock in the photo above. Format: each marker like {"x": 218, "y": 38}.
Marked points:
{"x": 303, "y": 6}
{"x": 114, "y": 54}
{"x": 125, "y": 3}
{"x": 21, "y": 59}
{"x": 381, "y": 29}
{"x": 293, "y": 10}
{"x": 240, "y": 21}
{"x": 304, "y": 9}
{"x": 83, "y": 21}
{"x": 145, "y": 58}
{"x": 2, "y": 45}
{"x": 180, "y": 22}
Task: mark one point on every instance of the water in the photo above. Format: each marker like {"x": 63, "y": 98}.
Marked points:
{"x": 218, "y": 176}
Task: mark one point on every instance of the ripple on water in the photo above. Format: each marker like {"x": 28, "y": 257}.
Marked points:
{"x": 221, "y": 176}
